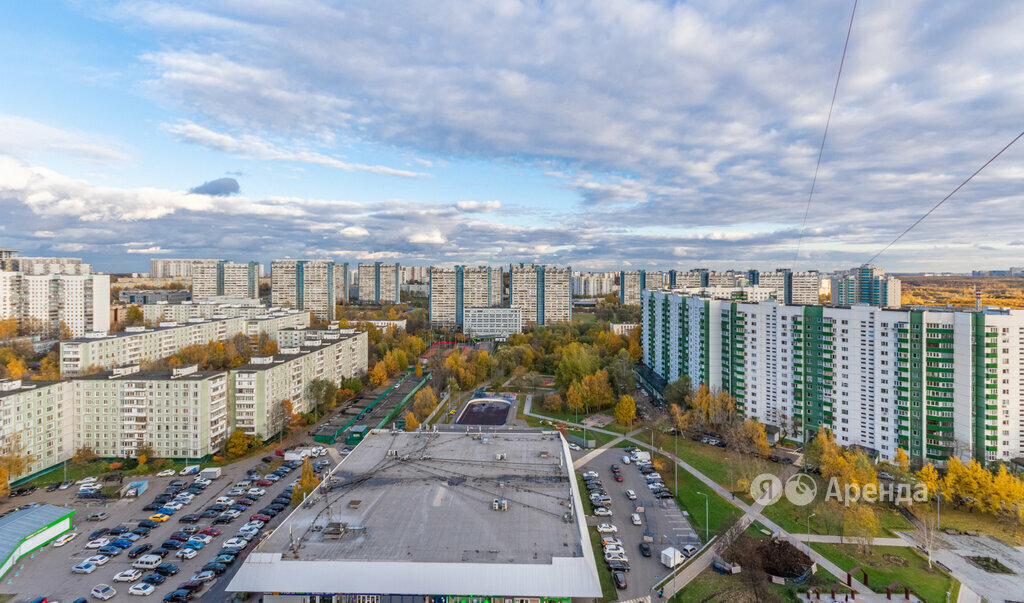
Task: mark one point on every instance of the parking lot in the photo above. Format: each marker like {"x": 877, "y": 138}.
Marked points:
{"x": 47, "y": 571}
{"x": 661, "y": 521}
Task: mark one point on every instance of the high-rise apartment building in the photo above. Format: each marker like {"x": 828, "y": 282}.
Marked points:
{"x": 180, "y": 413}
{"x": 260, "y": 386}
{"x": 544, "y": 293}
{"x": 221, "y": 278}
{"x": 452, "y": 290}
{"x": 633, "y": 284}
{"x": 36, "y": 266}
{"x": 415, "y": 274}
{"x": 867, "y": 285}
{"x": 593, "y": 284}
{"x": 43, "y": 304}
{"x": 304, "y": 285}
{"x": 935, "y": 383}
{"x": 380, "y": 283}
{"x": 342, "y": 281}
{"x": 173, "y": 267}
{"x": 798, "y": 288}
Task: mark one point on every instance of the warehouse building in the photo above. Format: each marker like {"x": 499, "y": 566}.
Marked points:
{"x": 24, "y": 531}
{"x": 440, "y": 517}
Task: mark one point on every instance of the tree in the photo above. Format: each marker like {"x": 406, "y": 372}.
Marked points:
{"x": 678, "y": 392}
{"x": 902, "y": 461}
{"x": 553, "y": 403}
{"x": 83, "y": 456}
{"x": 577, "y": 362}
{"x": 324, "y": 394}
{"x": 133, "y": 317}
{"x": 620, "y": 372}
{"x": 597, "y": 390}
{"x": 861, "y": 524}
{"x": 307, "y": 482}
{"x": 143, "y": 452}
{"x": 625, "y": 410}
{"x": 239, "y": 443}
{"x": 64, "y": 332}
{"x": 752, "y": 438}
{"x": 8, "y": 329}
{"x": 379, "y": 374}
{"x": 411, "y": 424}
{"x": 16, "y": 368}
{"x": 681, "y": 420}
{"x": 929, "y": 478}
{"x": 574, "y": 397}
{"x": 49, "y": 366}
{"x": 14, "y": 461}
{"x": 419, "y": 370}
{"x": 823, "y": 447}
{"x": 424, "y": 403}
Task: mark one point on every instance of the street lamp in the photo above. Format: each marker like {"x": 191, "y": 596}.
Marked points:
{"x": 706, "y": 520}
{"x": 809, "y": 526}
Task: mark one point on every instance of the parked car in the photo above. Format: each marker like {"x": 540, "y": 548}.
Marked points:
{"x": 186, "y": 553}
{"x": 98, "y": 560}
{"x": 602, "y": 512}
{"x": 211, "y": 531}
{"x": 620, "y": 580}
{"x": 177, "y": 596}
{"x": 645, "y": 549}
{"x": 155, "y": 579}
{"x": 103, "y": 591}
{"x": 100, "y": 516}
{"x": 97, "y": 543}
{"x": 142, "y": 589}
{"x": 607, "y": 528}
{"x": 139, "y": 550}
{"x": 66, "y": 538}
{"x": 83, "y": 568}
{"x": 128, "y": 575}
{"x": 166, "y": 569}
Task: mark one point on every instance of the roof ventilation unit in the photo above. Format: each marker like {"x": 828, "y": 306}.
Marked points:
{"x": 499, "y": 505}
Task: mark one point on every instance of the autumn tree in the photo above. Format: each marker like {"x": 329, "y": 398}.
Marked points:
{"x": 751, "y": 437}
{"x": 424, "y": 403}
{"x": 678, "y": 392}
{"x": 324, "y": 394}
{"x": 307, "y": 482}
{"x": 553, "y": 403}
{"x": 14, "y": 461}
{"x": 83, "y": 456}
{"x": 239, "y": 443}
{"x": 419, "y": 370}
{"x": 574, "y": 397}
{"x": 577, "y": 362}
{"x": 681, "y": 420}
{"x": 597, "y": 390}
{"x": 929, "y": 478}
{"x": 411, "y": 424}
{"x": 860, "y": 523}
{"x": 8, "y": 329}
{"x": 379, "y": 374}
{"x": 902, "y": 461}
{"x": 133, "y": 317}
{"x": 625, "y": 411}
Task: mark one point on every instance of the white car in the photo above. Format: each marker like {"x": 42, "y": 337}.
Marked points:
{"x": 87, "y": 480}
{"x": 602, "y": 512}
{"x": 610, "y": 541}
{"x": 89, "y": 488}
{"x": 173, "y": 505}
{"x": 573, "y": 446}
{"x": 271, "y": 477}
{"x": 631, "y": 495}
{"x": 128, "y": 575}
{"x": 232, "y": 513}
{"x": 248, "y": 533}
{"x": 636, "y": 519}
{"x": 256, "y": 492}
{"x": 98, "y": 560}
{"x": 689, "y": 550}
{"x": 166, "y": 473}
{"x": 186, "y": 553}
{"x": 99, "y": 542}
{"x": 103, "y": 591}
{"x": 590, "y": 474}
{"x": 255, "y": 524}
{"x": 626, "y": 460}
{"x": 616, "y": 557}
{"x": 224, "y": 500}
{"x": 142, "y": 589}
{"x": 202, "y": 481}
{"x": 607, "y": 528}
{"x": 66, "y": 538}
{"x": 83, "y": 568}
{"x": 204, "y": 538}
{"x": 236, "y": 542}
{"x": 236, "y": 491}
{"x": 614, "y": 549}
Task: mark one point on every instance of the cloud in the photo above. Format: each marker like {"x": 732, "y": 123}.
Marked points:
{"x": 249, "y": 145}
{"x": 482, "y": 207}
{"x": 221, "y": 187}
{"x": 157, "y": 250}
{"x": 432, "y": 237}
{"x": 22, "y": 136}
{"x": 354, "y": 232}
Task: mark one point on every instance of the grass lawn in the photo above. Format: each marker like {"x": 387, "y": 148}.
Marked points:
{"x": 600, "y": 438}
{"x": 572, "y": 417}
{"x": 888, "y": 564}
{"x": 963, "y": 520}
{"x": 607, "y": 585}
{"x": 709, "y": 585}
{"x": 722, "y": 465}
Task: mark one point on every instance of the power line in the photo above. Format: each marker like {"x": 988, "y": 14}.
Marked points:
{"x": 821, "y": 149}
{"x": 946, "y": 198}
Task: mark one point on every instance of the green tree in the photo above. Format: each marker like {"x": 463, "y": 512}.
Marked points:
{"x": 678, "y": 392}
{"x": 324, "y": 394}
{"x": 133, "y": 317}
{"x": 577, "y": 362}
{"x": 620, "y": 372}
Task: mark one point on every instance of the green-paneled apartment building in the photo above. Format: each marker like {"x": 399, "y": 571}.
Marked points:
{"x": 937, "y": 383}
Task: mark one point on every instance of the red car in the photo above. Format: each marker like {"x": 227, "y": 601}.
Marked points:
{"x": 618, "y": 477}
{"x": 260, "y": 517}
{"x": 264, "y": 483}
{"x": 211, "y": 531}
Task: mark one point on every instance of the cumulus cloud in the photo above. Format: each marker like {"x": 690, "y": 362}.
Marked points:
{"x": 479, "y": 206}
{"x": 354, "y": 232}
{"x": 22, "y": 136}
{"x": 221, "y": 187}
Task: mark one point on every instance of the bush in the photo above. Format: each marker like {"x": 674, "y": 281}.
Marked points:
{"x": 218, "y": 459}
{"x": 115, "y": 466}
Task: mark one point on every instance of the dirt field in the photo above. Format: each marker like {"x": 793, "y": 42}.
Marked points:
{"x": 959, "y": 290}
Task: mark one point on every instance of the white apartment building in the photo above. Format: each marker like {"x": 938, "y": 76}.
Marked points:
{"x": 37, "y": 266}
{"x": 259, "y": 387}
{"x": 454, "y": 289}
{"x": 633, "y": 284}
{"x": 185, "y": 311}
{"x": 544, "y": 293}
{"x": 181, "y": 413}
{"x": 35, "y": 419}
{"x": 221, "y": 278}
{"x": 42, "y": 303}
{"x": 496, "y": 322}
{"x": 593, "y": 284}
{"x": 140, "y": 344}
{"x": 418, "y": 274}
{"x": 304, "y": 285}
{"x": 174, "y": 267}
{"x": 342, "y": 283}
{"x": 936, "y": 383}
{"x": 380, "y": 283}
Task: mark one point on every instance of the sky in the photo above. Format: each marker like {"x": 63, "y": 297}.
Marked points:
{"x": 620, "y": 134}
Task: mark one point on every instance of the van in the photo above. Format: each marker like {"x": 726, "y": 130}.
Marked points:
{"x": 147, "y": 562}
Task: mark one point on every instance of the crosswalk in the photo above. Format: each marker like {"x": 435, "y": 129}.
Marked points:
{"x": 644, "y": 599}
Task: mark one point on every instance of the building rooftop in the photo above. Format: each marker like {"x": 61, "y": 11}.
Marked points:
{"x": 10, "y": 387}
{"x": 415, "y": 512}
{"x": 287, "y": 354}
{"x": 131, "y": 373}
{"x": 19, "y": 525}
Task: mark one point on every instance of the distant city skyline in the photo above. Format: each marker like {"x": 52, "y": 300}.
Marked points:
{"x": 605, "y": 136}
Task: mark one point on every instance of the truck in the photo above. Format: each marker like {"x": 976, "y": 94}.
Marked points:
{"x": 210, "y": 473}
{"x": 641, "y": 455}
{"x": 189, "y": 470}
{"x": 671, "y": 557}
{"x": 297, "y": 455}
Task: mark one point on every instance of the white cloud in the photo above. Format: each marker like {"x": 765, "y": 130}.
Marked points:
{"x": 157, "y": 250}
{"x": 430, "y": 237}
{"x": 482, "y": 207}
{"x": 354, "y": 232}
{"x": 22, "y": 136}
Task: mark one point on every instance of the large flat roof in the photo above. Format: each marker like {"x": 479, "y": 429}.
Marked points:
{"x": 19, "y": 525}
{"x": 412, "y": 513}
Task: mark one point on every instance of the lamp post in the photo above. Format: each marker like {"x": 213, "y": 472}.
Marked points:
{"x": 809, "y": 526}
{"x": 706, "y": 519}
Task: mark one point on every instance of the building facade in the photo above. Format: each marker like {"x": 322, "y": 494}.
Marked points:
{"x": 221, "y": 278}
{"x": 867, "y": 285}
{"x": 304, "y": 285}
{"x": 593, "y": 284}
{"x": 452, "y": 290}
{"x": 935, "y": 383}
{"x": 140, "y": 344}
{"x": 633, "y": 284}
{"x": 158, "y": 312}
{"x": 342, "y": 283}
{"x": 141, "y": 297}
{"x": 496, "y": 322}
{"x": 543, "y": 293}
{"x": 181, "y": 413}
{"x": 36, "y": 420}
{"x": 37, "y": 266}
{"x": 258, "y": 388}
{"x": 380, "y": 283}
{"x": 43, "y": 304}
{"x": 790, "y": 287}
{"x": 173, "y": 267}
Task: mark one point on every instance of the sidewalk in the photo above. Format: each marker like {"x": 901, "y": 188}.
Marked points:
{"x": 839, "y": 540}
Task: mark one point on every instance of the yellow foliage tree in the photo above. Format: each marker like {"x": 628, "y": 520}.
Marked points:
{"x": 860, "y": 523}
{"x": 8, "y": 329}
{"x": 753, "y": 437}
{"x": 411, "y": 424}
{"x": 13, "y": 460}
{"x": 16, "y": 368}
{"x": 929, "y": 477}
{"x": 419, "y": 370}
{"x": 625, "y": 410}
{"x": 902, "y": 460}
{"x": 307, "y": 482}
{"x": 238, "y": 443}
{"x": 574, "y": 397}
{"x": 379, "y": 374}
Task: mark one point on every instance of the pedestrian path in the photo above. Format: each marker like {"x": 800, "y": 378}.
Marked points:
{"x": 839, "y": 540}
